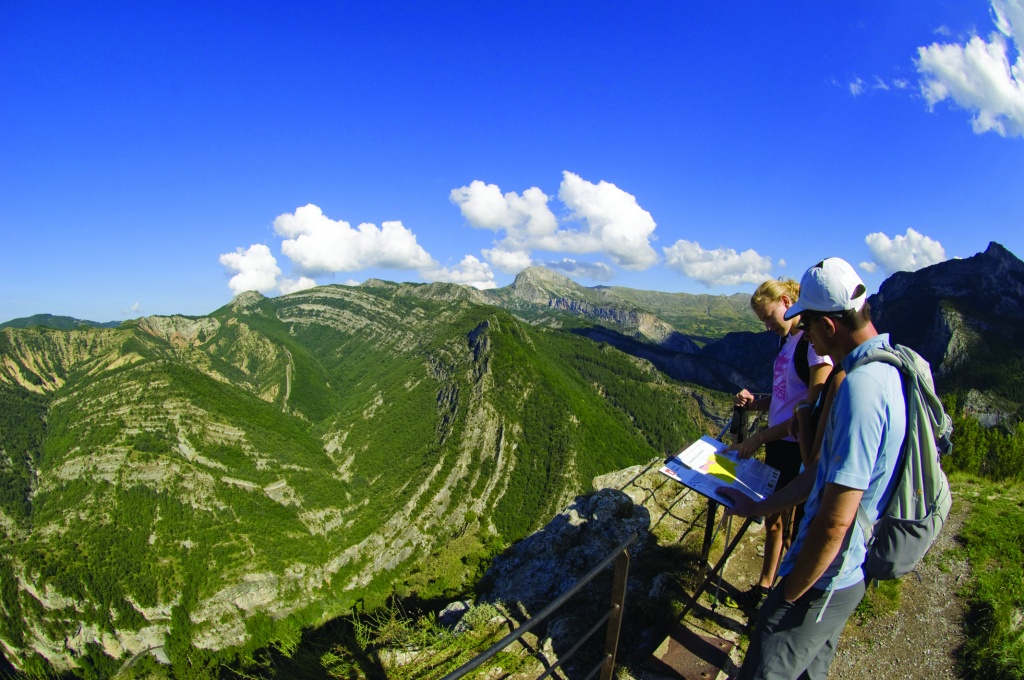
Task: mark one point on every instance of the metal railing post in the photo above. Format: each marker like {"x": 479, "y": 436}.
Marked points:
{"x": 614, "y": 618}
{"x": 611, "y": 639}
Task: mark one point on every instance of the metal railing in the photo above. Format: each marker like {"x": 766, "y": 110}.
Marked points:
{"x": 613, "y": 617}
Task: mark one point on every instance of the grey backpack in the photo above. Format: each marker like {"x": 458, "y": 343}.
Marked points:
{"x": 920, "y": 501}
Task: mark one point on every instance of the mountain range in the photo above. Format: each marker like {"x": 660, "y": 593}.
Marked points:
{"x": 195, "y": 486}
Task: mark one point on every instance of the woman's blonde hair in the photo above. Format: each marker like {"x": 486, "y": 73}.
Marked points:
{"x": 773, "y": 290}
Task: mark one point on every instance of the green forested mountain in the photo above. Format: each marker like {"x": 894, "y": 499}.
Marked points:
{"x": 56, "y": 322}
{"x": 202, "y": 484}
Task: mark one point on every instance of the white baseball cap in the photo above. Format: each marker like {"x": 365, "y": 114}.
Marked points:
{"x": 829, "y": 286}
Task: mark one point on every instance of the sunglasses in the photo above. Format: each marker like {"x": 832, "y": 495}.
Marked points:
{"x": 807, "y": 319}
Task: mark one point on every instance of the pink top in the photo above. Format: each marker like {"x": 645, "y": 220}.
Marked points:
{"x": 787, "y": 388}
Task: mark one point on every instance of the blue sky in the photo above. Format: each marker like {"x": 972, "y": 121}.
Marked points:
{"x": 158, "y": 157}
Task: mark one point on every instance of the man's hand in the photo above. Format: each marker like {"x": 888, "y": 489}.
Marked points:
{"x": 742, "y": 504}
{"x": 743, "y": 399}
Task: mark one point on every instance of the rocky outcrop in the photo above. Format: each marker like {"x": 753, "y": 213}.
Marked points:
{"x": 180, "y": 331}
{"x": 549, "y": 562}
{"x": 536, "y": 571}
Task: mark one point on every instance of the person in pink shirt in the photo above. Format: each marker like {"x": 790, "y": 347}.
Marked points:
{"x": 798, "y": 376}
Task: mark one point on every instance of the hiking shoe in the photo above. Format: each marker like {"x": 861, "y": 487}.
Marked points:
{"x": 752, "y": 598}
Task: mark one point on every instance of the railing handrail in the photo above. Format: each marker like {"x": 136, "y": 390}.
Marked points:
{"x": 501, "y": 644}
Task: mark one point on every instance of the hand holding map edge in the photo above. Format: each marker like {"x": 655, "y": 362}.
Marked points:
{"x": 739, "y": 503}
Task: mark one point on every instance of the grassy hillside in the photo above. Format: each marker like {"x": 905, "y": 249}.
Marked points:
{"x": 209, "y": 485}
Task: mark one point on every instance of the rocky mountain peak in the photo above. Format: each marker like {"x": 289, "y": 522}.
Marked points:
{"x": 538, "y": 285}
{"x": 990, "y": 282}
{"x": 249, "y": 298}
{"x": 953, "y": 310}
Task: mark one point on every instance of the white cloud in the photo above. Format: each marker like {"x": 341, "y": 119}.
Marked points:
{"x": 903, "y": 253}
{"x": 596, "y": 271}
{"x": 316, "y": 243}
{"x": 523, "y": 217}
{"x": 255, "y": 267}
{"x": 612, "y": 222}
{"x": 295, "y": 285}
{"x": 720, "y": 267}
{"x": 136, "y": 309}
{"x": 978, "y": 76}
{"x": 616, "y": 221}
{"x": 508, "y": 261}
{"x": 869, "y": 267}
{"x": 469, "y": 271}
{"x": 857, "y": 87}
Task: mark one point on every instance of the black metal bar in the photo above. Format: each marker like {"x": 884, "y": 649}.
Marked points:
{"x": 718, "y": 567}
{"x": 709, "y": 537}
{"x": 501, "y": 644}
{"x": 596, "y": 668}
{"x": 737, "y": 425}
{"x": 579, "y": 643}
{"x": 611, "y": 638}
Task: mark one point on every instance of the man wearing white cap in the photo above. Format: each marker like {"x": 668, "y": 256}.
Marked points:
{"x": 822, "y": 582}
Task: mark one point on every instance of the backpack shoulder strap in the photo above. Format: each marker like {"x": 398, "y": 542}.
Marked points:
{"x": 886, "y": 355}
{"x": 800, "y": 362}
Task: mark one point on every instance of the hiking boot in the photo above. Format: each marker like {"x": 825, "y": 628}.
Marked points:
{"x": 753, "y": 597}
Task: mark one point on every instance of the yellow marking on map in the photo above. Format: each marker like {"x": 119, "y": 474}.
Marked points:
{"x": 721, "y": 468}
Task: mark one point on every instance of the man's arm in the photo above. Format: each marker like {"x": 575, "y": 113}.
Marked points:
{"x": 789, "y": 496}
{"x": 824, "y": 540}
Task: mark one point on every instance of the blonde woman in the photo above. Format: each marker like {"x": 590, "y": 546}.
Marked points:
{"x": 798, "y": 376}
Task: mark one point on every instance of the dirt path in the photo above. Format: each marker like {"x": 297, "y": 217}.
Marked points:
{"x": 921, "y": 639}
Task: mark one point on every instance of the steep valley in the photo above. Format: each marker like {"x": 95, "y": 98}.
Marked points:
{"x": 191, "y": 485}
{"x": 200, "y": 487}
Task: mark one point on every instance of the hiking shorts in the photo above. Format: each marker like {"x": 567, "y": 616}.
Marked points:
{"x": 788, "y": 642}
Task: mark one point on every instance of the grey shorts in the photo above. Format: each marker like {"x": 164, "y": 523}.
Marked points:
{"x": 788, "y": 642}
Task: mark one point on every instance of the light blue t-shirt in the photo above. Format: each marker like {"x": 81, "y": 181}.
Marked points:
{"x": 861, "y": 447}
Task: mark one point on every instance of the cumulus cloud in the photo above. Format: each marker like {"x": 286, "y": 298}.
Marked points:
{"x": 720, "y": 267}
{"x": 903, "y": 253}
{"x": 595, "y": 271}
{"x": 978, "y": 76}
{"x": 295, "y": 285}
{"x": 317, "y": 244}
{"x": 617, "y": 223}
{"x": 869, "y": 267}
{"x": 470, "y": 271}
{"x": 136, "y": 309}
{"x": 523, "y": 217}
{"x": 255, "y": 269}
{"x": 508, "y": 261}
{"x": 611, "y": 222}
{"x": 857, "y": 87}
